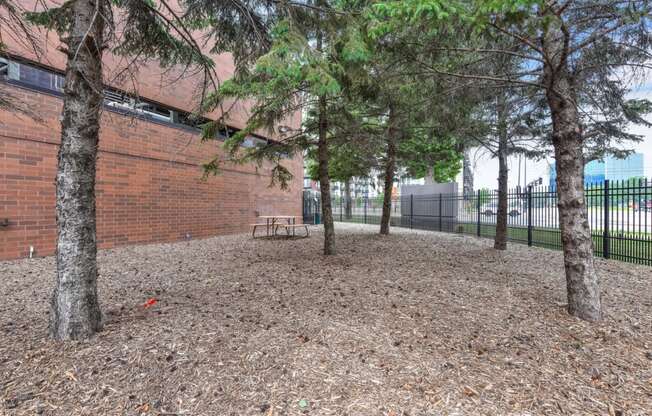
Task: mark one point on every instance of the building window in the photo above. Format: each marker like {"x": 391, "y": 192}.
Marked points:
{"x": 39, "y": 78}
{"x": 32, "y": 76}
{"x": 45, "y": 80}
{"x": 121, "y": 101}
{"x": 4, "y": 68}
{"x": 251, "y": 141}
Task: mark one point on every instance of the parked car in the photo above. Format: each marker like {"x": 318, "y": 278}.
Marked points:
{"x": 645, "y": 206}
{"x": 514, "y": 209}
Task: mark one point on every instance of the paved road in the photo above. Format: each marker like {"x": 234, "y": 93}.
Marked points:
{"x": 626, "y": 220}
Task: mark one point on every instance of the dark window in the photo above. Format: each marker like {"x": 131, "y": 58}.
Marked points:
{"x": 36, "y": 77}
{"x": 121, "y": 101}
{"x": 188, "y": 120}
{"x": 4, "y": 68}
{"x": 154, "y": 111}
{"x": 45, "y": 80}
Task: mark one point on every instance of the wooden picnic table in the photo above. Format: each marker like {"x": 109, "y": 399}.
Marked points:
{"x": 272, "y": 222}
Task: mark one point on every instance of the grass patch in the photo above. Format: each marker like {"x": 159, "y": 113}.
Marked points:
{"x": 631, "y": 247}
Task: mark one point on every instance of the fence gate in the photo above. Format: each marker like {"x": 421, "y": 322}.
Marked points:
{"x": 311, "y": 207}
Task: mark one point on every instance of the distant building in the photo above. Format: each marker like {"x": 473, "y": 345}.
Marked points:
{"x": 374, "y": 185}
{"x": 597, "y": 171}
{"x": 365, "y": 187}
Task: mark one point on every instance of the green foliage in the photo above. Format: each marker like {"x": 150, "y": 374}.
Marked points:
{"x": 58, "y": 19}
{"x": 606, "y": 47}
{"x": 280, "y": 176}
{"x": 241, "y": 28}
{"x": 485, "y": 195}
{"x": 299, "y": 68}
{"x": 634, "y": 109}
{"x": 355, "y": 48}
{"x": 422, "y": 155}
{"x": 394, "y": 16}
{"x": 147, "y": 34}
{"x": 513, "y": 10}
{"x": 346, "y": 161}
{"x": 416, "y": 9}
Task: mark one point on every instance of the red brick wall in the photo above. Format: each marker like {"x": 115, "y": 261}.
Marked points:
{"x": 149, "y": 186}
{"x": 176, "y": 87}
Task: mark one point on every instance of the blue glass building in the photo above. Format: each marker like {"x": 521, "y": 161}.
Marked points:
{"x": 610, "y": 168}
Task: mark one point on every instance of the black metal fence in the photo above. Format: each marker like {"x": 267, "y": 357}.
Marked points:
{"x": 619, "y": 213}
{"x": 311, "y": 207}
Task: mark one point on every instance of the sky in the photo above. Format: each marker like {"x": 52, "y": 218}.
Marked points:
{"x": 486, "y": 169}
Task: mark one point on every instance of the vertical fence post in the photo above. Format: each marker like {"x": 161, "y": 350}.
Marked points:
{"x": 605, "y": 226}
{"x": 478, "y": 230}
{"x": 529, "y": 215}
{"x": 440, "y": 214}
{"x": 365, "y": 208}
{"x": 411, "y": 208}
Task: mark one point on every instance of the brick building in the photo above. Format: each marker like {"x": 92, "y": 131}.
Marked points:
{"x": 149, "y": 175}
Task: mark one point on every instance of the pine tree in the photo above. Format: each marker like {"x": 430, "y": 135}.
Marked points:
{"x": 350, "y": 157}
{"x": 305, "y": 71}
{"x": 148, "y": 30}
{"x": 418, "y": 124}
{"x": 582, "y": 56}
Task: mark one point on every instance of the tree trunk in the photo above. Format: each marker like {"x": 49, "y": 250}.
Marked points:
{"x": 322, "y": 169}
{"x": 324, "y": 181}
{"x": 429, "y": 179}
{"x": 582, "y": 284}
{"x": 581, "y": 278}
{"x": 467, "y": 175}
{"x": 74, "y": 310}
{"x": 348, "y": 211}
{"x": 390, "y": 168}
{"x": 500, "y": 240}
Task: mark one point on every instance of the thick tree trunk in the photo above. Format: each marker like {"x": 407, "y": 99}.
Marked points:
{"x": 75, "y": 311}
{"x": 500, "y": 240}
{"x": 581, "y": 278}
{"x": 348, "y": 211}
{"x": 324, "y": 181}
{"x": 582, "y": 284}
{"x": 467, "y": 175}
{"x": 390, "y": 168}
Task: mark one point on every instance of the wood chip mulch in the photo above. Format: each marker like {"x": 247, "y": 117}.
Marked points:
{"x": 416, "y": 323}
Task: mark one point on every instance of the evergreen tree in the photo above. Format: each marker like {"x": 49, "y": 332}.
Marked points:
{"x": 352, "y": 159}
{"x": 582, "y": 56}
{"x": 427, "y": 156}
{"x": 305, "y": 70}
{"x": 86, "y": 29}
{"x": 147, "y": 30}
{"x": 418, "y": 114}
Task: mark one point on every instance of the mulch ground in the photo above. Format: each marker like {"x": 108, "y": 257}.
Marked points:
{"x": 416, "y": 323}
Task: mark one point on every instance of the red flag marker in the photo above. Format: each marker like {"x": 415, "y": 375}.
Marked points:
{"x": 150, "y": 302}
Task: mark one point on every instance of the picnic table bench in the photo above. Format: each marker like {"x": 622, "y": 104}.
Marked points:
{"x": 274, "y": 222}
